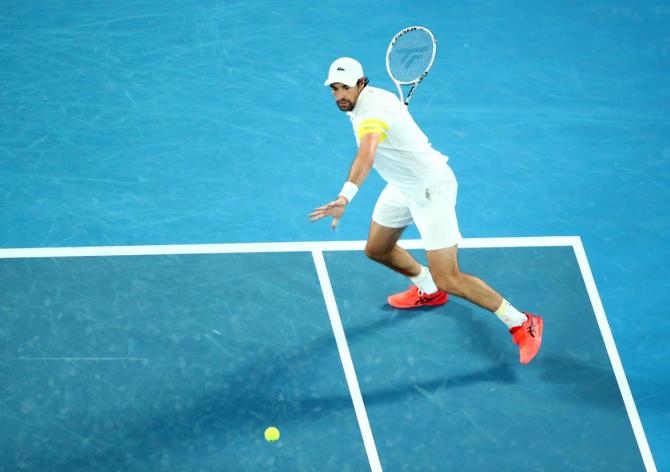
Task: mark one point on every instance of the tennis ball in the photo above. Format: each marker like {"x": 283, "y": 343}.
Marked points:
{"x": 272, "y": 434}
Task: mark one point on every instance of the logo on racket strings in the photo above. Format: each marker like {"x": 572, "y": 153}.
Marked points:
{"x": 409, "y": 56}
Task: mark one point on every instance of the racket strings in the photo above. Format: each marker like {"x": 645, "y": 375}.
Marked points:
{"x": 411, "y": 55}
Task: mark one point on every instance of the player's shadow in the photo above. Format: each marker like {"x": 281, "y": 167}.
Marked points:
{"x": 580, "y": 381}
{"x": 429, "y": 388}
{"x": 249, "y": 402}
{"x": 479, "y": 331}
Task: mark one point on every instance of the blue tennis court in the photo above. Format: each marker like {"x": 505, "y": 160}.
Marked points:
{"x": 163, "y": 298}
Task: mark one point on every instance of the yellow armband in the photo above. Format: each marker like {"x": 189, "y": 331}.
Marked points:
{"x": 373, "y": 126}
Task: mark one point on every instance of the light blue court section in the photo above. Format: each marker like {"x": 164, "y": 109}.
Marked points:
{"x": 171, "y": 363}
{"x": 444, "y": 388}
{"x": 181, "y": 361}
{"x": 202, "y": 121}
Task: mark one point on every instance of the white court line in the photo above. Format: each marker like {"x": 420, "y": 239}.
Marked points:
{"x": 615, "y": 360}
{"x": 319, "y": 246}
{"x": 95, "y": 359}
{"x": 347, "y": 363}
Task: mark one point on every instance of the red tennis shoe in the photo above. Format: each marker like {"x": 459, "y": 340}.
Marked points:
{"x": 528, "y": 337}
{"x": 414, "y": 298}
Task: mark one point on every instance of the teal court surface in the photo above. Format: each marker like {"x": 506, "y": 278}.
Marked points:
{"x": 178, "y": 357}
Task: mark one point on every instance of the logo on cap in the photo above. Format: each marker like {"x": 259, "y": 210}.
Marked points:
{"x": 341, "y": 68}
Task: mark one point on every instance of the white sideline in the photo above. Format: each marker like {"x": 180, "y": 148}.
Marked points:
{"x": 615, "y": 360}
{"x": 347, "y": 363}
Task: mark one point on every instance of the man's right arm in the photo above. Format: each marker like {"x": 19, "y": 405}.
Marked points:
{"x": 365, "y": 158}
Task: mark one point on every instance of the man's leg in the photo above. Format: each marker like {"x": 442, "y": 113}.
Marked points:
{"x": 382, "y": 247}
{"x": 526, "y": 329}
{"x": 389, "y": 219}
{"x": 443, "y": 265}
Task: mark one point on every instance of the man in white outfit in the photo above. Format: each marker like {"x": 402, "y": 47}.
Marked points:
{"x": 421, "y": 189}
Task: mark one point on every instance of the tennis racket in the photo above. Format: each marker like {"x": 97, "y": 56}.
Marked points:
{"x": 409, "y": 57}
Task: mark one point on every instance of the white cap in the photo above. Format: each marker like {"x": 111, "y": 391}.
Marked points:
{"x": 344, "y": 70}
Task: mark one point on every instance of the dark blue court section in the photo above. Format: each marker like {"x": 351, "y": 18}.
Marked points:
{"x": 444, "y": 388}
{"x": 196, "y": 356}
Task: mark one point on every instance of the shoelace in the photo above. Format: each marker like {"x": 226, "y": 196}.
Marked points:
{"x": 423, "y": 298}
{"x": 531, "y": 326}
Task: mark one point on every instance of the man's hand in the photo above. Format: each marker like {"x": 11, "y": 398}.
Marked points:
{"x": 334, "y": 209}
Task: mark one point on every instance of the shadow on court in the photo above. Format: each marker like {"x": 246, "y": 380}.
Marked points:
{"x": 580, "y": 382}
{"x": 245, "y": 407}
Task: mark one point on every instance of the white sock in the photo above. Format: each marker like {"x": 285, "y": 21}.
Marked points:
{"x": 424, "y": 281}
{"x": 510, "y": 315}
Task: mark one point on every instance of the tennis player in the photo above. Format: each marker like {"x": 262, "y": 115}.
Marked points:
{"x": 421, "y": 189}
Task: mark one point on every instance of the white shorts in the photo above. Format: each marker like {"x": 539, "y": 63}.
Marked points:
{"x": 433, "y": 210}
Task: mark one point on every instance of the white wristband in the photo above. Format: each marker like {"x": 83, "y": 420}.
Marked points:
{"x": 348, "y": 191}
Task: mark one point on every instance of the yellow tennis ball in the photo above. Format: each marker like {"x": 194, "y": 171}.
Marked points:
{"x": 272, "y": 434}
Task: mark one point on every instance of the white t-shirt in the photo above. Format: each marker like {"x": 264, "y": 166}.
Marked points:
{"x": 405, "y": 157}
